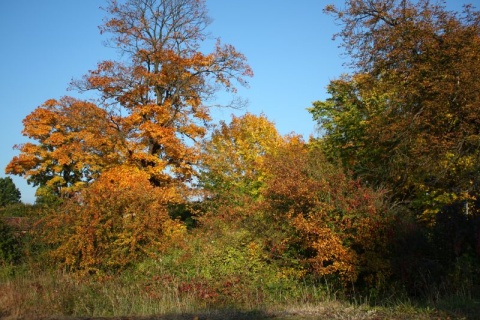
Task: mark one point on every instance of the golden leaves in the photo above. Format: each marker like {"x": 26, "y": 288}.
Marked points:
{"x": 232, "y": 158}
{"x": 119, "y": 219}
{"x": 122, "y": 159}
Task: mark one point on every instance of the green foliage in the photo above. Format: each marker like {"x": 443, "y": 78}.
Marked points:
{"x": 347, "y": 120}
{"x": 405, "y": 119}
{"x": 20, "y": 210}
{"x": 9, "y": 193}
{"x": 231, "y": 265}
{"x": 10, "y": 246}
{"x": 184, "y": 212}
{"x": 46, "y": 196}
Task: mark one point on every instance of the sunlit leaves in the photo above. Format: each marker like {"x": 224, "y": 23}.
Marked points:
{"x": 232, "y": 157}
{"x": 76, "y": 140}
{"x": 151, "y": 106}
{"x": 122, "y": 160}
{"x": 119, "y": 219}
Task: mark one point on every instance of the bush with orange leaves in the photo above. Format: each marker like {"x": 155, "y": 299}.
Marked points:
{"x": 116, "y": 221}
{"x": 340, "y": 226}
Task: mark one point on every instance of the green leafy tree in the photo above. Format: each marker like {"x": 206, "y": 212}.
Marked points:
{"x": 346, "y": 119}
{"x": 407, "y": 118}
{"x": 9, "y": 193}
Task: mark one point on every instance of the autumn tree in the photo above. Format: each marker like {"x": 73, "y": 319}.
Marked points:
{"x": 164, "y": 86}
{"x": 76, "y": 140}
{"x": 407, "y": 118}
{"x": 9, "y": 193}
{"x": 232, "y": 157}
{"x": 151, "y": 102}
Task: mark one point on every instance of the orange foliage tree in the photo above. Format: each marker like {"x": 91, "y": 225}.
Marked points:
{"x": 76, "y": 141}
{"x": 123, "y": 160}
{"x": 150, "y": 103}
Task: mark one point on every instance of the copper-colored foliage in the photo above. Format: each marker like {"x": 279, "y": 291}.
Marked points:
{"x": 120, "y": 218}
{"x": 121, "y": 160}
{"x": 340, "y": 222}
{"x": 150, "y": 104}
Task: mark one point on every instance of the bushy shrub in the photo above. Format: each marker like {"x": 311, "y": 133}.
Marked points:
{"x": 20, "y": 210}
{"x": 342, "y": 227}
{"x": 230, "y": 265}
{"x": 113, "y": 223}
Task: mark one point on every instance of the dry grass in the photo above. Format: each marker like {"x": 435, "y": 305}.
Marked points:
{"x": 59, "y": 296}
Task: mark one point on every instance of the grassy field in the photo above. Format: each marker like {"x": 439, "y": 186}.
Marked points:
{"x": 55, "y": 295}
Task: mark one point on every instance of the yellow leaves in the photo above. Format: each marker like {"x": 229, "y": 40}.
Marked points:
{"x": 436, "y": 200}
{"x": 122, "y": 178}
{"x": 232, "y": 158}
{"x": 174, "y": 230}
{"x": 39, "y": 123}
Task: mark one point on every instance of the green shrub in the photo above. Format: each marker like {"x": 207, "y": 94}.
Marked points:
{"x": 10, "y": 246}
{"x": 228, "y": 264}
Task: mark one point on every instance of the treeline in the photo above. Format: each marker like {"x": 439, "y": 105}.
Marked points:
{"x": 384, "y": 201}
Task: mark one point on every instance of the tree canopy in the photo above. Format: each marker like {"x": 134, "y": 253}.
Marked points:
{"x": 408, "y": 116}
{"x": 232, "y": 157}
{"x": 151, "y": 102}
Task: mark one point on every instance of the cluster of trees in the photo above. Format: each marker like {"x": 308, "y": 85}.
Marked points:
{"x": 397, "y": 162}
{"x": 407, "y": 117}
{"x": 406, "y": 121}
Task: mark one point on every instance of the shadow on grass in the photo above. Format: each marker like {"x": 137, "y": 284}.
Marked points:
{"x": 214, "y": 315}
{"x": 468, "y": 309}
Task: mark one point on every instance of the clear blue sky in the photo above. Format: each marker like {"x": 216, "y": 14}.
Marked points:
{"x": 287, "y": 43}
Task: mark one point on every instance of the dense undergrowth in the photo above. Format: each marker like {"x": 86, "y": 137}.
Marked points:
{"x": 220, "y": 269}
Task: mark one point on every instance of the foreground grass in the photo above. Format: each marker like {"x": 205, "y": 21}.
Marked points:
{"x": 54, "y": 295}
